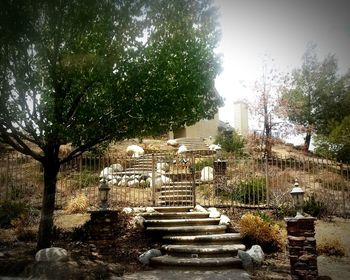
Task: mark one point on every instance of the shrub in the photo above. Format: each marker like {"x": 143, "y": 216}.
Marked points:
{"x": 250, "y": 191}
{"x": 10, "y": 210}
{"x": 269, "y": 235}
{"x": 231, "y": 142}
{"x": 24, "y": 226}
{"x": 78, "y": 204}
{"x": 199, "y": 165}
{"x": 315, "y": 207}
{"x": 331, "y": 247}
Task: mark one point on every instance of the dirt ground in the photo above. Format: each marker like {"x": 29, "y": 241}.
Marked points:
{"x": 336, "y": 267}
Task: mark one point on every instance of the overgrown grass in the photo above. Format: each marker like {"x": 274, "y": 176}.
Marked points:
{"x": 331, "y": 247}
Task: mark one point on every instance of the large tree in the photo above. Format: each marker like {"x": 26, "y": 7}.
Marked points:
{"x": 315, "y": 89}
{"x": 92, "y": 71}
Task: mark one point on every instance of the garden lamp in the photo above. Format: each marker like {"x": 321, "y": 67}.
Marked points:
{"x": 298, "y": 198}
{"x": 104, "y": 189}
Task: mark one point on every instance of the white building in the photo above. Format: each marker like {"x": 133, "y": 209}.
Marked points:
{"x": 240, "y": 117}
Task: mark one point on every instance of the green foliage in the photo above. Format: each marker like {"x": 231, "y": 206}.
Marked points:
{"x": 335, "y": 145}
{"x": 314, "y": 207}
{"x": 318, "y": 98}
{"x": 10, "y": 210}
{"x": 203, "y": 163}
{"x": 249, "y": 191}
{"x": 231, "y": 142}
{"x": 89, "y": 72}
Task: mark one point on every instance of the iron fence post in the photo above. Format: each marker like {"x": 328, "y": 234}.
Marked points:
{"x": 267, "y": 181}
{"x": 193, "y": 171}
{"x": 153, "y": 180}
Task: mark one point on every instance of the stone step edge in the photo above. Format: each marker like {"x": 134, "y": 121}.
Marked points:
{"x": 187, "y": 228}
{"x": 185, "y": 220}
{"x": 167, "y": 260}
{"x": 203, "y": 238}
{"x": 204, "y": 249}
{"x": 172, "y": 209}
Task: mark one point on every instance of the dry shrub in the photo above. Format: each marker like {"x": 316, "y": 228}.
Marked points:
{"x": 78, "y": 204}
{"x": 25, "y": 227}
{"x": 331, "y": 247}
{"x": 256, "y": 230}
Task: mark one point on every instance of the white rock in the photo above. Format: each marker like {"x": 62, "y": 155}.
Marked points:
{"x": 143, "y": 184}
{"x": 148, "y": 182}
{"x": 112, "y": 182}
{"x": 145, "y": 257}
{"x": 171, "y": 142}
{"x": 199, "y": 208}
{"x": 139, "y": 209}
{"x": 224, "y": 220}
{"x": 214, "y": 147}
{"x": 51, "y": 254}
{"x": 163, "y": 166}
{"x": 158, "y": 183}
{"x": 125, "y": 177}
{"x": 105, "y": 172}
{"x": 135, "y": 151}
{"x": 166, "y": 180}
{"x": 109, "y": 177}
{"x": 207, "y": 174}
{"x": 182, "y": 149}
{"x": 150, "y": 210}
{"x": 214, "y": 213}
{"x": 138, "y": 222}
{"x": 256, "y": 254}
{"x": 117, "y": 177}
{"x": 133, "y": 183}
{"x": 127, "y": 210}
{"x": 123, "y": 183}
{"x": 117, "y": 167}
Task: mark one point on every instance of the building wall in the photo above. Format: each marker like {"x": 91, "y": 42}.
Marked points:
{"x": 240, "y": 109}
{"x": 204, "y": 128}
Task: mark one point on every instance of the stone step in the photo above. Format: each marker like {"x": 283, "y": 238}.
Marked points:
{"x": 174, "y": 209}
{"x": 176, "y": 192}
{"x": 176, "y": 203}
{"x": 177, "y": 215}
{"x": 176, "y": 188}
{"x": 188, "y": 230}
{"x": 175, "y": 197}
{"x": 181, "y": 222}
{"x": 226, "y": 238}
{"x": 180, "y": 183}
{"x": 202, "y": 251}
{"x": 196, "y": 262}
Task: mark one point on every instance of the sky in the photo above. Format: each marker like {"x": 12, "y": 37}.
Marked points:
{"x": 281, "y": 30}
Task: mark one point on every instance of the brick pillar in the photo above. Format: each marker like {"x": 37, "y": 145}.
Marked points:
{"x": 104, "y": 226}
{"x": 302, "y": 248}
{"x": 220, "y": 179}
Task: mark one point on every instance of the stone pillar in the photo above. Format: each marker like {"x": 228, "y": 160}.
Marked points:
{"x": 103, "y": 228}
{"x": 220, "y": 179}
{"x": 302, "y": 248}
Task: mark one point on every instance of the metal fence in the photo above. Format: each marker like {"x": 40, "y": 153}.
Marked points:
{"x": 168, "y": 179}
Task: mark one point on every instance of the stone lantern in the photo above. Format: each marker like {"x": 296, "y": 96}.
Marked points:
{"x": 103, "y": 191}
{"x": 298, "y": 198}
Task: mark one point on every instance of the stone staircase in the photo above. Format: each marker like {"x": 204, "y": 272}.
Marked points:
{"x": 192, "y": 239}
{"x": 176, "y": 193}
{"x": 193, "y": 144}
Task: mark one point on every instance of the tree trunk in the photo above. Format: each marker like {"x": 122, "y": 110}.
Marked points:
{"x": 307, "y": 142}
{"x": 51, "y": 168}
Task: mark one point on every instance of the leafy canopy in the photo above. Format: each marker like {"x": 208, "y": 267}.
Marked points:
{"x": 91, "y": 71}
